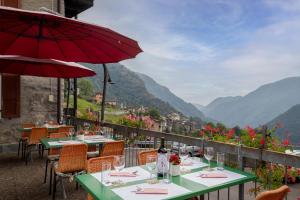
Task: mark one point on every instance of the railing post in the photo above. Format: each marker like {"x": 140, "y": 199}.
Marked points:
{"x": 241, "y": 186}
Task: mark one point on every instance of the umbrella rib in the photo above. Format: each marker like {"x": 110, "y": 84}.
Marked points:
{"x": 11, "y": 43}
{"x": 109, "y": 33}
{"x": 61, "y": 50}
{"x": 75, "y": 45}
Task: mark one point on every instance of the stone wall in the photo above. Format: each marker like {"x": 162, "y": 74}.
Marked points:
{"x": 35, "y": 91}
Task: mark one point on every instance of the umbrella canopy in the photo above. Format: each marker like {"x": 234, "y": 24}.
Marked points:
{"x": 44, "y": 35}
{"x": 42, "y": 67}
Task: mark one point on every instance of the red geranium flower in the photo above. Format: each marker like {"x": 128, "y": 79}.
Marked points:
{"x": 262, "y": 141}
{"x": 286, "y": 142}
{"x": 251, "y": 132}
{"x": 230, "y": 133}
{"x": 175, "y": 159}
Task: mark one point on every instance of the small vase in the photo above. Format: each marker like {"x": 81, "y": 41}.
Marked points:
{"x": 80, "y": 137}
{"x": 174, "y": 170}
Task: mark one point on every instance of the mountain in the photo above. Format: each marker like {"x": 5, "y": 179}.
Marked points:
{"x": 199, "y": 106}
{"x": 166, "y": 95}
{"x": 128, "y": 88}
{"x": 218, "y": 102}
{"x": 290, "y": 121}
{"x": 257, "y": 107}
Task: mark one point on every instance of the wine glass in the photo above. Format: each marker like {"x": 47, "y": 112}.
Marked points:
{"x": 209, "y": 154}
{"x": 151, "y": 165}
{"x": 183, "y": 153}
{"x": 71, "y": 132}
{"x": 119, "y": 162}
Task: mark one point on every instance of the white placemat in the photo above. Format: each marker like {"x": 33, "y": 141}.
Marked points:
{"x": 57, "y": 143}
{"x": 209, "y": 182}
{"x": 97, "y": 140}
{"x": 142, "y": 174}
{"x": 196, "y": 163}
{"x": 127, "y": 193}
{"x": 94, "y": 137}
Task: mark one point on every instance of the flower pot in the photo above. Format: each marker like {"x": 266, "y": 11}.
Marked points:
{"x": 174, "y": 170}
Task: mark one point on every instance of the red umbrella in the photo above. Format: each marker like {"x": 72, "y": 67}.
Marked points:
{"x": 44, "y": 35}
{"x": 42, "y": 67}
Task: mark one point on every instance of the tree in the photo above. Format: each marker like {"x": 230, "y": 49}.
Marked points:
{"x": 154, "y": 114}
{"x": 86, "y": 88}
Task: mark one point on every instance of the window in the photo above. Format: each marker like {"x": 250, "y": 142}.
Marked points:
{"x": 10, "y": 3}
{"x": 10, "y": 89}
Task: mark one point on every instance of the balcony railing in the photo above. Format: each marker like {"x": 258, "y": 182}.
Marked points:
{"x": 237, "y": 155}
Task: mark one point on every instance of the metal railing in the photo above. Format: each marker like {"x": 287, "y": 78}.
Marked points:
{"x": 238, "y": 155}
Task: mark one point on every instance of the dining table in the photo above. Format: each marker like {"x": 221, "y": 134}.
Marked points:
{"x": 50, "y": 128}
{"x": 194, "y": 180}
{"x": 88, "y": 139}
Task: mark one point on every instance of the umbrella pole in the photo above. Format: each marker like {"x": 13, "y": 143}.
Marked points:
{"x": 103, "y": 93}
{"x": 58, "y": 100}
{"x": 68, "y": 96}
{"x": 75, "y": 102}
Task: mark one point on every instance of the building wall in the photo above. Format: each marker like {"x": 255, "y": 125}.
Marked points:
{"x": 35, "y": 91}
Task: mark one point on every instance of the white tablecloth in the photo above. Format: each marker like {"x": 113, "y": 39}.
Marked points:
{"x": 142, "y": 174}
{"x": 196, "y": 163}
{"x": 127, "y": 193}
{"x": 209, "y": 182}
{"x": 57, "y": 143}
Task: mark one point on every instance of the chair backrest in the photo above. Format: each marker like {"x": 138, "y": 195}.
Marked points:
{"x": 27, "y": 125}
{"x": 278, "y": 194}
{"x": 55, "y": 151}
{"x": 72, "y": 158}
{"x": 37, "y": 134}
{"x": 142, "y": 155}
{"x": 95, "y": 164}
{"x": 65, "y": 129}
{"x": 113, "y": 148}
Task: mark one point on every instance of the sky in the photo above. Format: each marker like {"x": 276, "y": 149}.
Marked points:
{"x": 204, "y": 49}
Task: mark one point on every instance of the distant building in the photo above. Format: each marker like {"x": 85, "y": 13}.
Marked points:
{"x": 98, "y": 98}
{"x": 174, "y": 116}
{"x": 111, "y": 102}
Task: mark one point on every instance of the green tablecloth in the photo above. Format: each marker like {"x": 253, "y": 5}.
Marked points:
{"x": 102, "y": 192}
{"x": 50, "y": 129}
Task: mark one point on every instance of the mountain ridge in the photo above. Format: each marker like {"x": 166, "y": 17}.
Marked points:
{"x": 166, "y": 95}
{"x": 128, "y": 88}
{"x": 259, "y": 106}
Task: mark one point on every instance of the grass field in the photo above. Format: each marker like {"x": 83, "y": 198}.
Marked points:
{"x": 83, "y": 106}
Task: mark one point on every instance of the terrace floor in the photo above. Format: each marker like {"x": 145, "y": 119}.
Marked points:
{"x": 20, "y": 182}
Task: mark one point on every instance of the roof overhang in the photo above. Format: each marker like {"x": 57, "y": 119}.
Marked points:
{"x": 74, "y": 7}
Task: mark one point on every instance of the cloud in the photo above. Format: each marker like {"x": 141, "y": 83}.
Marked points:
{"x": 205, "y": 49}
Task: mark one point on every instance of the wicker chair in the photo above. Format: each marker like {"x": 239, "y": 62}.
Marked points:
{"x": 53, "y": 153}
{"x": 278, "y": 194}
{"x": 94, "y": 165}
{"x": 24, "y": 138}
{"x": 64, "y": 129}
{"x": 113, "y": 148}
{"x": 34, "y": 141}
{"x": 72, "y": 160}
{"x": 142, "y": 155}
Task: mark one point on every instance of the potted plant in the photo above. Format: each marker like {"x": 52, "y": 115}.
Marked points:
{"x": 174, "y": 165}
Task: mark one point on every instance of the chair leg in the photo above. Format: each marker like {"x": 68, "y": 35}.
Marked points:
{"x": 46, "y": 170}
{"x": 54, "y": 187}
{"x": 43, "y": 151}
{"x": 26, "y": 156}
{"x": 51, "y": 176}
{"x": 19, "y": 147}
